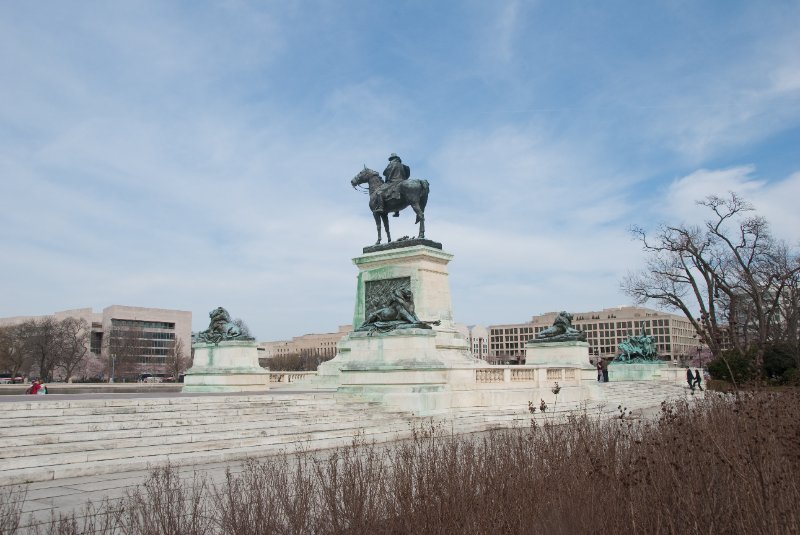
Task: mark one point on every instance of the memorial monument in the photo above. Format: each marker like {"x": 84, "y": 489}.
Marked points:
{"x": 637, "y": 349}
{"x": 404, "y": 349}
{"x": 224, "y": 359}
{"x": 637, "y": 359}
{"x": 561, "y": 344}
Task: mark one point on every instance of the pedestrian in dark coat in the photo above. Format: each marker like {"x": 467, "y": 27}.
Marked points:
{"x": 690, "y": 378}
{"x": 697, "y": 380}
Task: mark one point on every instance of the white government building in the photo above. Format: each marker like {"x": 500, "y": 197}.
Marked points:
{"x": 157, "y": 328}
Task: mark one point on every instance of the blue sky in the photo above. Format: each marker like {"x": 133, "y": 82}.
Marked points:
{"x": 195, "y": 154}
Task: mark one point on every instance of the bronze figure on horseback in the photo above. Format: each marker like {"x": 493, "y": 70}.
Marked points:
{"x": 395, "y": 194}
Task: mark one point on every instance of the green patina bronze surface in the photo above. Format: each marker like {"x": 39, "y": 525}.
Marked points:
{"x": 220, "y": 328}
{"x": 635, "y": 349}
{"x": 389, "y": 305}
{"x": 396, "y": 193}
{"x": 561, "y": 331}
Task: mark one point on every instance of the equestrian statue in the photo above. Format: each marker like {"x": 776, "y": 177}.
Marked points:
{"x": 396, "y": 193}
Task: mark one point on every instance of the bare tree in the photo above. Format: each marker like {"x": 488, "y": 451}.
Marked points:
{"x": 177, "y": 360}
{"x": 13, "y": 357}
{"x": 730, "y": 270}
{"x": 91, "y": 367}
{"x": 41, "y": 342}
{"x": 124, "y": 349}
{"x": 73, "y": 345}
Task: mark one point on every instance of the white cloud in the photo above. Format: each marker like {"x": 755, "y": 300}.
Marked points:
{"x": 777, "y": 200}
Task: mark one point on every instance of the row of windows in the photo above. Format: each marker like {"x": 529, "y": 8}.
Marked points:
{"x": 143, "y": 324}
{"x": 144, "y": 335}
{"x": 158, "y": 352}
{"x": 150, "y": 360}
{"x": 155, "y": 351}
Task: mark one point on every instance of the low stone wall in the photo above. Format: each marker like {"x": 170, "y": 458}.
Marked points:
{"x": 94, "y": 388}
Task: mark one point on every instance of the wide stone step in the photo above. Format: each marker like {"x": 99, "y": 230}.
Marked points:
{"x": 209, "y": 401}
{"x": 164, "y": 437}
{"x": 29, "y": 475}
{"x": 197, "y": 443}
{"x": 157, "y": 429}
{"x": 147, "y": 428}
{"x": 136, "y": 421}
{"x": 278, "y": 412}
{"x": 14, "y": 411}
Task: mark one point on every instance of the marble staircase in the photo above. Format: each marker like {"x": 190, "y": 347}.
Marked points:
{"x": 49, "y": 438}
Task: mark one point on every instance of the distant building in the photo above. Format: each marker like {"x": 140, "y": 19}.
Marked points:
{"x": 674, "y": 335}
{"x": 478, "y": 337}
{"x": 155, "y": 330}
{"x": 317, "y": 345}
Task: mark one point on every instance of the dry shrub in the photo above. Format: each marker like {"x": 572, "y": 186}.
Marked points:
{"x": 11, "y": 501}
{"x": 168, "y": 505}
{"x": 720, "y": 466}
{"x": 101, "y": 519}
{"x": 270, "y": 496}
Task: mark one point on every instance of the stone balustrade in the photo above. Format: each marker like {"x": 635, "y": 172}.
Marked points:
{"x": 489, "y": 375}
{"x": 290, "y": 377}
{"x": 525, "y": 374}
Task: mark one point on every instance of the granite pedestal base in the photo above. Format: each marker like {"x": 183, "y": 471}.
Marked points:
{"x": 230, "y": 366}
{"x": 640, "y": 371}
{"x": 414, "y": 369}
{"x": 574, "y": 353}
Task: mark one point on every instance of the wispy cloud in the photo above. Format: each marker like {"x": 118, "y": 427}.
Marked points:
{"x": 775, "y": 200}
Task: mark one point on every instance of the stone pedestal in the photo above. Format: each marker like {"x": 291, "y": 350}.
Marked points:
{"x": 423, "y": 266}
{"x": 574, "y": 353}
{"x": 230, "y": 366}
{"x": 411, "y": 368}
{"x": 640, "y": 371}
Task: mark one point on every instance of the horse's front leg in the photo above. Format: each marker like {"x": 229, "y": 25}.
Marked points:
{"x": 378, "y": 226}
{"x": 420, "y": 219}
{"x": 385, "y": 218}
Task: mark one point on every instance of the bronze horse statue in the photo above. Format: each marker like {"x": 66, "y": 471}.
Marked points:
{"x": 411, "y": 192}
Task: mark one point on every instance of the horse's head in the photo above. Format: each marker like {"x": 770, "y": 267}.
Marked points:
{"x": 365, "y": 175}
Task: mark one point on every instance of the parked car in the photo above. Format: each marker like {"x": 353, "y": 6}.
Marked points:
{"x": 7, "y": 379}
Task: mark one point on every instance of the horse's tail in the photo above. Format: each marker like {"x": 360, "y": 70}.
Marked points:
{"x": 423, "y": 196}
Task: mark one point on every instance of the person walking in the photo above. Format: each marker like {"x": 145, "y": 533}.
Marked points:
{"x": 599, "y": 371}
{"x": 698, "y": 379}
{"x": 690, "y": 378}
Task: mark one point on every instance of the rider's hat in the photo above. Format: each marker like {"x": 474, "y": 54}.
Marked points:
{"x": 394, "y": 157}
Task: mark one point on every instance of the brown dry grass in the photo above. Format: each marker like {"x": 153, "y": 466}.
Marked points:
{"x": 722, "y": 466}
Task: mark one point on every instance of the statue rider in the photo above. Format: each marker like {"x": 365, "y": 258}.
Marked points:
{"x": 395, "y": 173}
